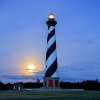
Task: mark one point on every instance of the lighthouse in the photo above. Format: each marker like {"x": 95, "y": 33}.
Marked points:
{"x": 51, "y": 79}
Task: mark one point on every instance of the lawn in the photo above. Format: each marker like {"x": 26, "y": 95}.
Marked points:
{"x": 49, "y": 95}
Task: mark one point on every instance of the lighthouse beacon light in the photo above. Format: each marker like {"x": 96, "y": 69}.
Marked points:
{"x": 51, "y": 16}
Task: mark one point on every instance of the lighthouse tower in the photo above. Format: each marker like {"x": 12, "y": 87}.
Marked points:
{"x": 50, "y": 79}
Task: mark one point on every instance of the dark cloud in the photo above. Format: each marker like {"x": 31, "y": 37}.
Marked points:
{"x": 16, "y": 77}
{"x": 85, "y": 40}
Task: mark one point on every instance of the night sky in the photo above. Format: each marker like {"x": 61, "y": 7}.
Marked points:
{"x": 23, "y": 39}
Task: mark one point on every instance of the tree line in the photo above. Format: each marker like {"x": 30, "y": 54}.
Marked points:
{"x": 86, "y": 85}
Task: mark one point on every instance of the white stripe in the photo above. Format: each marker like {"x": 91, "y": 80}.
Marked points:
{"x": 51, "y": 59}
{"x": 55, "y": 74}
{"x": 51, "y": 41}
{"x": 50, "y": 29}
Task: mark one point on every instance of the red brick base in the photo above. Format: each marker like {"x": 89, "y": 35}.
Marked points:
{"x": 51, "y": 82}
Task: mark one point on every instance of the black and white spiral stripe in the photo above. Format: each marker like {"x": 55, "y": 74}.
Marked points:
{"x": 51, "y": 55}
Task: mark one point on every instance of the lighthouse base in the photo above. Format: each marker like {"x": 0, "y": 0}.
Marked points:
{"x": 51, "y": 83}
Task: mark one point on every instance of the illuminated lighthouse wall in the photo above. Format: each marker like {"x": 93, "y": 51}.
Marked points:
{"x": 50, "y": 79}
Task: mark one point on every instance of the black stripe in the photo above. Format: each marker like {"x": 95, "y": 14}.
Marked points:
{"x": 51, "y": 34}
{"x": 51, "y": 70}
{"x": 51, "y": 50}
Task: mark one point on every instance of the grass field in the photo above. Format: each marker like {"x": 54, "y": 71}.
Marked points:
{"x": 49, "y": 95}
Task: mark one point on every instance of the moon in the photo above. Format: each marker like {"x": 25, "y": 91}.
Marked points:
{"x": 31, "y": 68}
